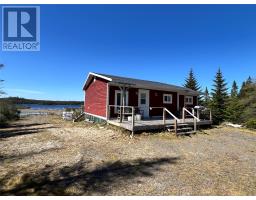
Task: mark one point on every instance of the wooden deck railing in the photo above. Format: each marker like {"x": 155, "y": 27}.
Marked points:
{"x": 165, "y": 110}
{"x": 202, "y": 113}
{"x": 131, "y": 112}
{"x": 122, "y": 113}
{"x": 196, "y": 119}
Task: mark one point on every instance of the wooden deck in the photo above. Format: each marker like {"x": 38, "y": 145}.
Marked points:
{"x": 153, "y": 124}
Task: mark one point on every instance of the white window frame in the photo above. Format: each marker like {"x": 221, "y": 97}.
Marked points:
{"x": 167, "y": 95}
{"x": 188, "y": 103}
{"x": 126, "y": 98}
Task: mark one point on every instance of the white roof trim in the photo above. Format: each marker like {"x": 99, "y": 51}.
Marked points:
{"x": 97, "y": 75}
{"x": 100, "y": 76}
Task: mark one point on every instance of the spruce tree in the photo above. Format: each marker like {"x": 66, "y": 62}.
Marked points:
{"x": 248, "y": 101}
{"x": 192, "y": 83}
{"x": 245, "y": 86}
{"x": 219, "y": 98}
{"x": 1, "y": 91}
{"x": 234, "y": 108}
{"x": 249, "y": 80}
{"x": 206, "y": 98}
{"x": 242, "y": 92}
{"x": 234, "y": 90}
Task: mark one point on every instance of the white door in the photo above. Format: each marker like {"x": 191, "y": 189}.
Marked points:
{"x": 143, "y": 102}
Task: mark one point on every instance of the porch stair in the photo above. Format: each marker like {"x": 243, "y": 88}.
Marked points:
{"x": 78, "y": 117}
{"x": 182, "y": 129}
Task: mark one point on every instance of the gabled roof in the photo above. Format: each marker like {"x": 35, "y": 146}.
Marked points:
{"x": 138, "y": 83}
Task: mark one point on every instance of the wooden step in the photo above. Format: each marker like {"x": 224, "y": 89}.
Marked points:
{"x": 186, "y": 133}
{"x": 181, "y": 129}
{"x": 172, "y": 125}
{"x": 79, "y": 117}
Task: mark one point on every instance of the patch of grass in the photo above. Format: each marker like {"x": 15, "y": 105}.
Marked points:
{"x": 160, "y": 134}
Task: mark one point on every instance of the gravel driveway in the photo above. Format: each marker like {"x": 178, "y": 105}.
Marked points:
{"x": 43, "y": 155}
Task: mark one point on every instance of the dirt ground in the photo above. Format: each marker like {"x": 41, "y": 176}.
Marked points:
{"x": 42, "y": 155}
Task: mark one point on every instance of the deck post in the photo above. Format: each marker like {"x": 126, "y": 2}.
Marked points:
{"x": 195, "y": 124}
{"x": 198, "y": 114}
{"x": 164, "y": 116}
{"x": 210, "y": 115}
{"x": 175, "y": 126}
{"x": 107, "y": 112}
{"x": 132, "y": 122}
{"x": 121, "y": 104}
{"x": 183, "y": 115}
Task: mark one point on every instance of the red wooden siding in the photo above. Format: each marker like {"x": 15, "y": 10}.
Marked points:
{"x": 96, "y": 97}
{"x": 181, "y": 105}
{"x": 156, "y": 100}
{"x": 181, "y": 102}
{"x": 195, "y": 101}
{"x": 132, "y": 97}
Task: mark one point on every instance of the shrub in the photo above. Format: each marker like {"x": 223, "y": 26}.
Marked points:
{"x": 251, "y": 123}
{"x": 8, "y": 112}
{"x": 76, "y": 111}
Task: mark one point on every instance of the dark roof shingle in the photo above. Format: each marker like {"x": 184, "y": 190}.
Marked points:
{"x": 148, "y": 84}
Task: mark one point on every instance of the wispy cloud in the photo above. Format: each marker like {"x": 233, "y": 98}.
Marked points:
{"x": 25, "y": 91}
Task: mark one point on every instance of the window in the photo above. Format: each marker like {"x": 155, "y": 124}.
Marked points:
{"x": 167, "y": 98}
{"x": 118, "y": 99}
{"x": 143, "y": 98}
{"x": 188, "y": 100}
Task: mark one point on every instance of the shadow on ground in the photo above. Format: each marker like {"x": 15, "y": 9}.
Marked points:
{"x": 78, "y": 180}
{"x": 9, "y": 158}
{"x": 16, "y": 130}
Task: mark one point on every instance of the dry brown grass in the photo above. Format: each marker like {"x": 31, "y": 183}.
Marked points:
{"x": 49, "y": 156}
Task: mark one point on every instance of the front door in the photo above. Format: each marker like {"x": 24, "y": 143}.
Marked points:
{"x": 144, "y": 102}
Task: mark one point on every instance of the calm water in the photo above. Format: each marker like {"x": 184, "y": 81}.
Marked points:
{"x": 50, "y": 107}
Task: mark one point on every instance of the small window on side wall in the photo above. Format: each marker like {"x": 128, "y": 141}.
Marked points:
{"x": 167, "y": 98}
{"x": 188, "y": 100}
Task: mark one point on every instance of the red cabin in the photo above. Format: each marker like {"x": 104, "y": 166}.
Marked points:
{"x": 105, "y": 93}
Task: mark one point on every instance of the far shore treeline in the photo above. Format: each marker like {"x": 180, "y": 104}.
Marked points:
{"x": 19, "y": 100}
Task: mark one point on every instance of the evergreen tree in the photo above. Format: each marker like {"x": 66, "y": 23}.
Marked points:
{"x": 219, "y": 98}
{"x": 248, "y": 101}
{"x": 241, "y": 92}
{"x": 192, "y": 83}
{"x": 249, "y": 80}
{"x": 245, "y": 87}
{"x": 206, "y": 98}
{"x": 1, "y": 91}
{"x": 234, "y": 108}
{"x": 234, "y": 90}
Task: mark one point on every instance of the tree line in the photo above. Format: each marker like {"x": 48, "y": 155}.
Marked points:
{"x": 19, "y": 100}
{"x": 238, "y": 106}
{"x": 8, "y": 111}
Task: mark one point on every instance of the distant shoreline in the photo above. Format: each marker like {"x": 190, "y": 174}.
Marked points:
{"x": 48, "y": 107}
{"x": 18, "y": 101}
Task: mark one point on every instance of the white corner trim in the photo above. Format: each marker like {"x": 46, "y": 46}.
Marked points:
{"x": 95, "y": 115}
{"x": 107, "y": 102}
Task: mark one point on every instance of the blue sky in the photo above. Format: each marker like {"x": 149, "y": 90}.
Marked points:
{"x": 154, "y": 42}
